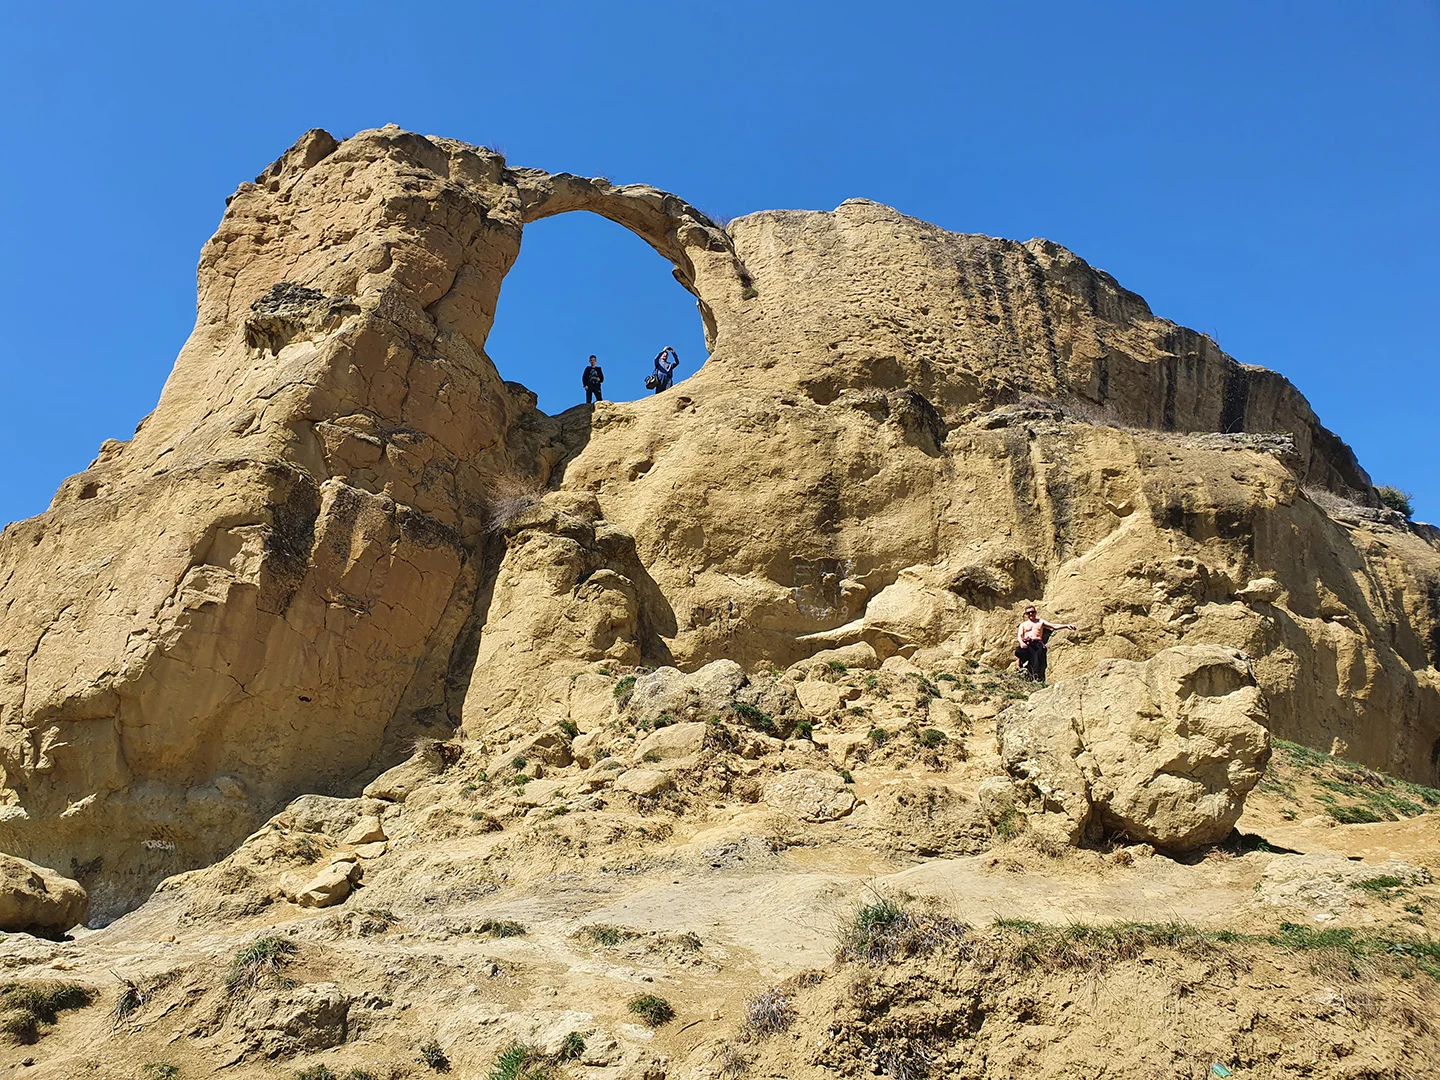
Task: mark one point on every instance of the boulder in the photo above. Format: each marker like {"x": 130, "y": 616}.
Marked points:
{"x": 676, "y": 746}
{"x": 717, "y": 681}
{"x": 859, "y": 655}
{"x": 1261, "y": 591}
{"x": 663, "y": 692}
{"x": 326, "y": 814}
{"x": 824, "y": 698}
{"x": 810, "y": 795}
{"x": 330, "y": 886}
{"x": 1162, "y": 751}
{"x": 587, "y": 748}
{"x": 643, "y": 782}
{"x": 668, "y": 695}
{"x": 365, "y": 831}
{"x": 592, "y": 701}
{"x": 37, "y": 900}
{"x": 395, "y": 784}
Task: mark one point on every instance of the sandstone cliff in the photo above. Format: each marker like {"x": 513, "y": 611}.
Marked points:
{"x": 340, "y": 528}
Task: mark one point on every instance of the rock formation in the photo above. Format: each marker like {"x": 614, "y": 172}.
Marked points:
{"x": 340, "y": 529}
{"x": 1162, "y": 752}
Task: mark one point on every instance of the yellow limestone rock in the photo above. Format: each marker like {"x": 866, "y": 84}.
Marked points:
{"x": 37, "y": 900}
{"x": 341, "y": 530}
{"x": 367, "y": 830}
{"x": 330, "y": 886}
{"x": 644, "y": 782}
{"x": 1161, "y": 752}
{"x": 810, "y": 794}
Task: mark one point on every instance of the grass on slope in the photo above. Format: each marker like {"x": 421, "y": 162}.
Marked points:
{"x": 1348, "y": 792}
{"x": 25, "y": 1008}
{"x": 886, "y": 932}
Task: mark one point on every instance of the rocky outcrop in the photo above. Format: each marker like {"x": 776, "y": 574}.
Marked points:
{"x": 37, "y": 900}
{"x": 340, "y": 529}
{"x": 1161, "y": 752}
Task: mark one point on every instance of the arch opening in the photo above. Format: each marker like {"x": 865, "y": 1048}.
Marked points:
{"x": 584, "y": 284}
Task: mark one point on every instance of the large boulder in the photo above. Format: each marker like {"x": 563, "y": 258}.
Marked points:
{"x": 1162, "y": 751}
{"x": 37, "y": 900}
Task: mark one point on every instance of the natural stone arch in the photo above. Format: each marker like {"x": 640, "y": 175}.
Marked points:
{"x": 700, "y": 251}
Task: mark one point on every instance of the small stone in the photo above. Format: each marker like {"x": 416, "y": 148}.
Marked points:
{"x": 232, "y": 787}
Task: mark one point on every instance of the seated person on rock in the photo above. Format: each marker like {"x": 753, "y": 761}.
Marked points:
{"x": 1033, "y": 634}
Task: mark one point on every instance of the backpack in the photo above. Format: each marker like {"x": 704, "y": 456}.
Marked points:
{"x": 652, "y": 381}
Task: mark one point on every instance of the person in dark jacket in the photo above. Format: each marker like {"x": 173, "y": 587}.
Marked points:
{"x": 592, "y": 378}
{"x": 664, "y": 374}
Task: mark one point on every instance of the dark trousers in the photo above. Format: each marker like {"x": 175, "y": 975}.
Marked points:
{"x": 1033, "y": 658}
{"x": 592, "y": 393}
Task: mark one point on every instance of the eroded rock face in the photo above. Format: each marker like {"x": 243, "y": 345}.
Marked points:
{"x": 340, "y": 529}
{"x": 1161, "y": 752}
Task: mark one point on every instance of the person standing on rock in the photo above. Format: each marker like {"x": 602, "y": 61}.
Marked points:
{"x": 664, "y": 373}
{"x": 1033, "y": 634}
{"x": 592, "y": 378}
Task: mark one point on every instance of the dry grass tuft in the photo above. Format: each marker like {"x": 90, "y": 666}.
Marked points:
{"x": 885, "y": 932}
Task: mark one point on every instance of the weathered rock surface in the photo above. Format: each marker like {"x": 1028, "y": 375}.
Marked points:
{"x": 281, "y": 1023}
{"x": 37, "y": 900}
{"x": 810, "y": 795}
{"x": 1162, "y": 752}
{"x": 340, "y": 529}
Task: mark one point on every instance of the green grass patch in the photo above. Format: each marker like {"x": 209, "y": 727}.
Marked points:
{"x": 1333, "y": 950}
{"x": 501, "y": 928}
{"x": 572, "y": 1047}
{"x": 623, "y": 689}
{"x": 1350, "y": 793}
{"x": 607, "y": 934}
{"x": 885, "y": 931}
{"x": 260, "y": 963}
{"x": 1084, "y": 945}
{"x": 1382, "y": 885}
{"x": 757, "y": 719}
{"x": 521, "y": 1062}
{"x": 651, "y": 1008}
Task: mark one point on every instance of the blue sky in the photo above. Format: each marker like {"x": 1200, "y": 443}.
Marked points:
{"x": 1264, "y": 172}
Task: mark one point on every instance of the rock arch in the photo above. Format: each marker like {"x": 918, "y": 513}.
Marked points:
{"x": 700, "y": 251}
